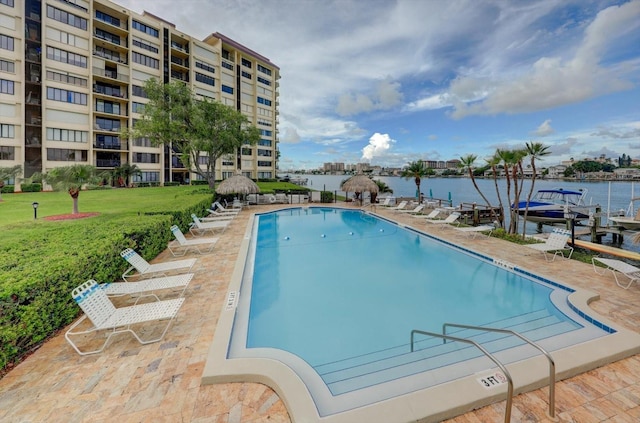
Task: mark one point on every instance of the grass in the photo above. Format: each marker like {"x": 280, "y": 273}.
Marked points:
{"x": 17, "y": 208}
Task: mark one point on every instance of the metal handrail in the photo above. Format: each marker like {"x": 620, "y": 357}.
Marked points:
{"x": 507, "y": 412}
{"x": 552, "y": 364}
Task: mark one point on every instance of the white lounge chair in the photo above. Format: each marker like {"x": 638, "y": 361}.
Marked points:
{"x": 181, "y": 245}
{"x": 615, "y": 266}
{"x": 199, "y": 228}
{"x": 144, "y": 269}
{"x": 220, "y": 209}
{"x": 400, "y": 206}
{"x": 473, "y": 231}
{"x": 444, "y": 222}
{"x": 418, "y": 209}
{"x": 556, "y": 243}
{"x": 386, "y": 202}
{"x": 434, "y": 213}
{"x": 105, "y": 316}
{"x": 150, "y": 286}
{"x": 219, "y": 215}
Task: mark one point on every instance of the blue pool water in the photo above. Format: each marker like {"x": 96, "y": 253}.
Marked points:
{"x": 341, "y": 290}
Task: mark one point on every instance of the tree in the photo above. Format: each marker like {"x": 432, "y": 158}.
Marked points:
{"x": 416, "y": 170}
{"x": 535, "y": 150}
{"x": 126, "y": 171}
{"x": 468, "y": 163}
{"x": 382, "y": 188}
{"x": 493, "y": 163}
{"x": 8, "y": 173}
{"x": 201, "y": 130}
{"x": 71, "y": 179}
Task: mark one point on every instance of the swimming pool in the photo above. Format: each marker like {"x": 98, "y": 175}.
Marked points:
{"x": 332, "y": 295}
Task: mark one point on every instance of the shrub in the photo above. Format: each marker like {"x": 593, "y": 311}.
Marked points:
{"x": 31, "y": 187}
{"x": 326, "y": 197}
{"x": 7, "y": 189}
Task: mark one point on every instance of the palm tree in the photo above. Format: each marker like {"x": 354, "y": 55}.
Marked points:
{"x": 126, "y": 171}
{"x": 8, "y": 173}
{"x": 70, "y": 179}
{"x": 535, "y": 150}
{"x": 382, "y": 188}
{"x": 516, "y": 172}
{"x": 415, "y": 170}
{"x": 468, "y": 162}
{"x": 493, "y": 163}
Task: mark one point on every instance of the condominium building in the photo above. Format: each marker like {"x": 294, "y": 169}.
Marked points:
{"x": 71, "y": 79}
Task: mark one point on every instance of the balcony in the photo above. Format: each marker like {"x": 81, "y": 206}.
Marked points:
{"x": 109, "y": 146}
{"x": 110, "y": 74}
{"x": 111, "y": 57}
{"x": 109, "y": 91}
{"x": 107, "y": 163}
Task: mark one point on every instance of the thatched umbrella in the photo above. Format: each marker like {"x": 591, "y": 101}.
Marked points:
{"x": 237, "y": 184}
{"x": 360, "y": 183}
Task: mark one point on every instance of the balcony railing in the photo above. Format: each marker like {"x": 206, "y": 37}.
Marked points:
{"x": 107, "y": 163}
{"x": 110, "y": 74}
{"x": 110, "y": 146}
{"x": 108, "y": 39}
{"x": 112, "y": 57}
{"x": 109, "y": 91}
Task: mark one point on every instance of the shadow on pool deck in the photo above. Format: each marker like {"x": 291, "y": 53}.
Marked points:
{"x": 161, "y": 382}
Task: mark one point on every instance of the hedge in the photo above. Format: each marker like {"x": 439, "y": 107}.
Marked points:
{"x": 39, "y": 267}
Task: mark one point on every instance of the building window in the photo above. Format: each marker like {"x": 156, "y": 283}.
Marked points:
{"x": 66, "y": 57}
{"x": 264, "y": 164}
{"x": 7, "y": 153}
{"x": 227, "y": 89}
{"x": 246, "y": 75}
{"x": 107, "y": 107}
{"x": 7, "y": 2}
{"x": 146, "y": 177}
{"x": 142, "y": 142}
{"x": 264, "y": 143}
{"x": 107, "y": 36}
{"x": 205, "y": 79}
{"x": 66, "y": 96}
{"x": 246, "y": 63}
{"x": 66, "y": 17}
{"x": 146, "y": 158}
{"x": 264, "y": 175}
{"x": 66, "y": 155}
{"x": 264, "y": 101}
{"x": 227, "y": 65}
{"x": 6, "y": 42}
{"x": 101, "y": 16}
{"x": 138, "y": 91}
{"x": 264, "y": 81}
{"x": 108, "y": 141}
{"x": 205, "y": 66}
{"x": 7, "y": 131}
{"x": 144, "y": 28}
{"x": 75, "y": 4}
{"x": 66, "y": 78}
{"x": 264, "y": 153}
{"x": 143, "y": 45}
{"x": 137, "y": 107}
{"x": 6, "y": 66}
{"x": 107, "y": 124}
{"x": 145, "y": 60}
{"x": 265, "y": 132}
{"x": 56, "y": 134}
{"x": 7, "y": 87}
{"x": 264, "y": 70}
{"x": 107, "y": 54}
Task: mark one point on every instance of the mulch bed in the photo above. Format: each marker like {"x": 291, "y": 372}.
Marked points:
{"x": 71, "y": 216}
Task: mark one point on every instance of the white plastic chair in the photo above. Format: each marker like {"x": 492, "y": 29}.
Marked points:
{"x": 146, "y": 270}
{"x": 149, "y": 286}
{"x": 556, "y": 243}
{"x": 103, "y": 315}
{"x": 181, "y": 245}
{"x": 199, "y": 228}
{"x": 617, "y": 266}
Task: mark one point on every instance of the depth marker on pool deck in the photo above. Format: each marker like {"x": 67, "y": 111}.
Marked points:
{"x": 232, "y": 300}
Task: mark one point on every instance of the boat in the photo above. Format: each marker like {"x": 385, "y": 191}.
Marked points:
{"x": 551, "y": 205}
{"x": 629, "y": 221}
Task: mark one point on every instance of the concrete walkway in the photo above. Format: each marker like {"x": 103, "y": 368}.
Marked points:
{"x": 161, "y": 382}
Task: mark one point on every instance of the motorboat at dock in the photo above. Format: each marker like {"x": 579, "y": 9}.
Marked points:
{"x": 551, "y": 205}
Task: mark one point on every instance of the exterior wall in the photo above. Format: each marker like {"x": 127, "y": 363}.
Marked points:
{"x": 72, "y": 72}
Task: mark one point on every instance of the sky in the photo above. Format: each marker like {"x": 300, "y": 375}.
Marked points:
{"x": 390, "y": 82}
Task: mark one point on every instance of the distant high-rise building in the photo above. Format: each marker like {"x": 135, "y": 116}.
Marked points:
{"x": 72, "y": 75}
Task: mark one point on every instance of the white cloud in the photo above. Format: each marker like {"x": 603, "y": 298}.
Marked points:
{"x": 553, "y": 81}
{"x": 379, "y": 145}
{"x": 544, "y": 129}
{"x": 387, "y": 95}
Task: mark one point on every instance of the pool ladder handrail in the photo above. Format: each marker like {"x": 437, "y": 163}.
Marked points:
{"x": 509, "y": 403}
{"x": 507, "y": 412}
{"x": 552, "y": 364}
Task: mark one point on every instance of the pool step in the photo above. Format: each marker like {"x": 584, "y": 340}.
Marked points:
{"x": 400, "y": 362}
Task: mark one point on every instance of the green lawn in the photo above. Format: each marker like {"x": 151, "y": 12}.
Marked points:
{"x": 16, "y": 208}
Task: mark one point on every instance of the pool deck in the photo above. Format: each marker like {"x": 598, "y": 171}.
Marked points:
{"x": 161, "y": 382}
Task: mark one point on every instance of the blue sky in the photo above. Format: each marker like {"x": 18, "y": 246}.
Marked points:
{"x": 390, "y": 82}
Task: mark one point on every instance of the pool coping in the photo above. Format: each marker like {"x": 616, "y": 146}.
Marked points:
{"x": 426, "y": 405}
